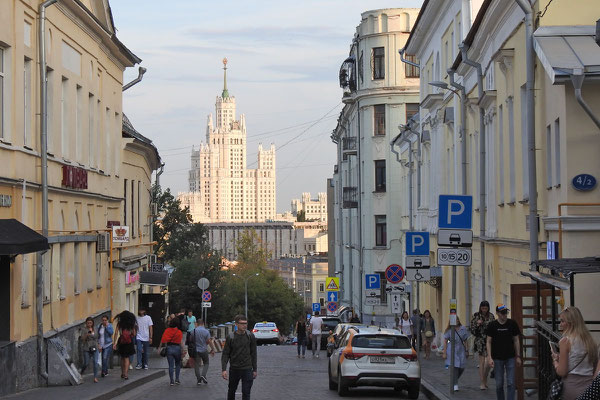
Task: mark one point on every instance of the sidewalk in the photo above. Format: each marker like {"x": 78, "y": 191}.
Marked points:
{"x": 107, "y": 388}
{"x": 435, "y": 380}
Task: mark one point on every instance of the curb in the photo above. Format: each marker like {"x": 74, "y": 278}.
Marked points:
{"x": 431, "y": 392}
{"x": 129, "y": 386}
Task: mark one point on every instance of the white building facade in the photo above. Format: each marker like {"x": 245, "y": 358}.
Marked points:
{"x": 380, "y": 93}
{"x": 221, "y": 188}
{"x": 314, "y": 209}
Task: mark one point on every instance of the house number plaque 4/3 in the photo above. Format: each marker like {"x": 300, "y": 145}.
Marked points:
{"x": 584, "y": 182}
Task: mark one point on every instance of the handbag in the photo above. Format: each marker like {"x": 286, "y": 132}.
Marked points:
{"x": 429, "y": 334}
{"x": 92, "y": 349}
{"x": 556, "y": 387}
{"x": 163, "y": 351}
{"x": 192, "y": 345}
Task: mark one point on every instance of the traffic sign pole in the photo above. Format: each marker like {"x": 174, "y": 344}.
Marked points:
{"x": 453, "y": 334}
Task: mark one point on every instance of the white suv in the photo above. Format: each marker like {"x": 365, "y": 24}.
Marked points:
{"x": 266, "y": 332}
{"x": 372, "y": 356}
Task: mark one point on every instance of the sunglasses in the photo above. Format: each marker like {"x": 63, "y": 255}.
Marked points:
{"x": 503, "y": 311}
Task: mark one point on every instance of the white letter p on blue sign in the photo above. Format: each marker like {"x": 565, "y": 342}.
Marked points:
{"x": 455, "y": 212}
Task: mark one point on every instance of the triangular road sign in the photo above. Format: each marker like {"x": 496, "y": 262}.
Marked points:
{"x": 333, "y": 283}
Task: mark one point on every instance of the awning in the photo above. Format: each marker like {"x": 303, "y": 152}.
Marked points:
{"x": 17, "y": 238}
{"x": 154, "y": 278}
{"x": 567, "y": 50}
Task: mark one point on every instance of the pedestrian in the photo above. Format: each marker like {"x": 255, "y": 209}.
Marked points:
{"x": 143, "y": 338}
{"x": 89, "y": 339}
{"x": 428, "y": 330}
{"x": 201, "y": 339}
{"x": 479, "y": 324}
{"x": 105, "y": 343}
{"x": 124, "y": 339}
{"x": 300, "y": 330}
{"x": 503, "y": 351}
{"x": 415, "y": 320}
{"x": 171, "y": 338}
{"x": 577, "y": 357}
{"x": 461, "y": 353}
{"x": 592, "y": 392}
{"x": 406, "y": 325}
{"x": 330, "y": 343}
{"x": 316, "y": 324}
{"x": 191, "y": 322}
{"x": 240, "y": 353}
{"x": 354, "y": 319}
{"x": 183, "y": 325}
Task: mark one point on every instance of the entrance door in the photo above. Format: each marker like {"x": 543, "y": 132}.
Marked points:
{"x": 5, "y": 302}
{"x": 155, "y": 308}
{"x": 523, "y": 311}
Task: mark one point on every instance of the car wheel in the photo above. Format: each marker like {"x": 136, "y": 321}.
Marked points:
{"x": 332, "y": 383}
{"x": 342, "y": 386}
{"x": 413, "y": 391}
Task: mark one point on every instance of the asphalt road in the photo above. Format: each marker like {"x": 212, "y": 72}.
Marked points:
{"x": 281, "y": 375}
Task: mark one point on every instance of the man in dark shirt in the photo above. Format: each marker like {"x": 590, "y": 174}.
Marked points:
{"x": 503, "y": 351}
{"x": 240, "y": 353}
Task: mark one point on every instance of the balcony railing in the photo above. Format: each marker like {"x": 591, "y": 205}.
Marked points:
{"x": 350, "y": 197}
{"x": 349, "y": 145}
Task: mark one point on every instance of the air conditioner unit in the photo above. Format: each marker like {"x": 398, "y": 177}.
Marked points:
{"x": 154, "y": 208}
{"x": 103, "y": 242}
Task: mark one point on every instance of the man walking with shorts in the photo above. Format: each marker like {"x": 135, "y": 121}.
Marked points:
{"x": 316, "y": 323}
{"x": 240, "y": 353}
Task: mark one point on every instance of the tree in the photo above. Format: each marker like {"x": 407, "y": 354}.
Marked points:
{"x": 173, "y": 226}
{"x": 301, "y": 216}
{"x": 252, "y": 253}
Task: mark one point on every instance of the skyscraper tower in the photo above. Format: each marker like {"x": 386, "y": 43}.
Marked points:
{"x": 221, "y": 188}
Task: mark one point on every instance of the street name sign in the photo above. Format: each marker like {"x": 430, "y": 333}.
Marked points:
{"x": 372, "y": 281}
{"x": 418, "y": 274}
{"x": 455, "y": 237}
{"x": 417, "y": 243}
{"x": 455, "y": 212}
{"x": 417, "y": 261}
{"x": 458, "y": 256}
{"x": 332, "y": 296}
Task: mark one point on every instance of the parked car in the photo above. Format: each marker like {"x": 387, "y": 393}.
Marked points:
{"x": 341, "y": 328}
{"x": 372, "y": 356}
{"x": 329, "y": 324}
{"x": 266, "y": 332}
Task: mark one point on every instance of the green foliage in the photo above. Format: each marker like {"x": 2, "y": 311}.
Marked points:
{"x": 252, "y": 253}
{"x": 301, "y": 216}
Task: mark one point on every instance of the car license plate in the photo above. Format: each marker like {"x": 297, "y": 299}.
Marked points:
{"x": 382, "y": 360}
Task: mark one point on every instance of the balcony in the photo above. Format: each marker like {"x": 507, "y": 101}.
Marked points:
{"x": 349, "y": 145}
{"x": 350, "y": 196}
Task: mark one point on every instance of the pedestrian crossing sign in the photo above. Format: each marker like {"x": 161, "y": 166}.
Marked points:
{"x": 332, "y": 283}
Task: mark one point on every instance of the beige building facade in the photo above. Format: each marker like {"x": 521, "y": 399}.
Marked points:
{"x": 314, "y": 209}
{"x": 221, "y": 186}
{"x": 86, "y": 170}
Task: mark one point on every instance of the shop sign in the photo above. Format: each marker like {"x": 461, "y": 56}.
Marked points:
{"x": 74, "y": 177}
{"x": 120, "y": 234}
{"x": 5, "y": 200}
{"x": 110, "y": 224}
{"x": 131, "y": 277}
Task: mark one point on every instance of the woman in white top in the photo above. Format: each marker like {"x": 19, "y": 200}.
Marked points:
{"x": 577, "y": 356}
{"x": 405, "y": 325}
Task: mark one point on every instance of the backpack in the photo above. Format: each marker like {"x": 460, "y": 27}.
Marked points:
{"x": 185, "y": 324}
{"x": 125, "y": 337}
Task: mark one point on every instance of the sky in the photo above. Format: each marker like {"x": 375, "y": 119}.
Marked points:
{"x": 283, "y": 63}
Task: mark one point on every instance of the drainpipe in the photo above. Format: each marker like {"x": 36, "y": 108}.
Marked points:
{"x": 141, "y": 72}
{"x": 531, "y": 156}
{"x": 404, "y": 60}
{"x": 360, "y": 235}
{"x": 39, "y": 269}
{"x": 577, "y": 80}
{"x": 464, "y": 49}
{"x": 463, "y": 150}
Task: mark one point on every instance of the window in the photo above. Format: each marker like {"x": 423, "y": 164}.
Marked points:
{"x": 2, "y": 75}
{"x": 64, "y": 121}
{"x": 501, "y": 154}
{"x": 138, "y": 206}
{"x": 124, "y": 201}
{"x": 132, "y": 229}
{"x": 411, "y": 110}
{"x": 91, "y": 144}
{"x": 524, "y": 155}
{"x": 50, "y": 110}
{"x": 378, "y": 65}
{"x": 380, "y": 231}
{"x": 27, "y": 103}
{"x": 411, "y": 71}
{"x": 549, "y": 165}
{"x": 78, "y": 123}
{"x": 511, "y": 148}
{"x": 380, "y": 175}
{"x": 76, "y": 266}
{"x": 379, "y": 120}
{"x": 383, "y": 296}
{"x": 557, "y": 150}
{"x": 108, "y": 149}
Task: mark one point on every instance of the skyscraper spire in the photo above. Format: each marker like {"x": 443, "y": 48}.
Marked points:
{"x": 225, "y": 93}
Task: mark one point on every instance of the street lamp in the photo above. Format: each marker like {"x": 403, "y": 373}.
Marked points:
{"x": 246, "y": 291}
{"x": 443, "y": 85}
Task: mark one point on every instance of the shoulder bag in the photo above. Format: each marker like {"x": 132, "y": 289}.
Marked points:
{"x": 556, "y": 387}
{"x": 192, "y": 345}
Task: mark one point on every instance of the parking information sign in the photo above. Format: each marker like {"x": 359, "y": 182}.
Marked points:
{"x": 316, "y": 307}
{"x": 417, "y": 243}
{"x": 456, "y": 212}
{"x": 372, "y": 281}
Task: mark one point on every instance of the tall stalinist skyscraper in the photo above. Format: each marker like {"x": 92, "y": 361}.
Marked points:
{"x": 221, "y": 189}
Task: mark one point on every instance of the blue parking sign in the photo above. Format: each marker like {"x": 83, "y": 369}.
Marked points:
{"x": 316, "y": 307}
{"x": 372, "y": 281}
{"x": 455, "y": 212}
{"x": 417, "y": 243}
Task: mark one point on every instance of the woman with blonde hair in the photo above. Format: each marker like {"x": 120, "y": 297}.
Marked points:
{"x": 578, "y": 354}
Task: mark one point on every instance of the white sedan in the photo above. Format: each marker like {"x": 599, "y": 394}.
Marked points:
{"x": 266, "y": 332}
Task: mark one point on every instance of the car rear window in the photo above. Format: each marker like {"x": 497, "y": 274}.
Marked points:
{"x": 265, "y": 325}
{"x": 381, "y": 342}
{"x": 330, "y": 324}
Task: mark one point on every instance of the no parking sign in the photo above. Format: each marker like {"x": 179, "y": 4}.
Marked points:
{"x": 394, "y": 273}
{"x": 206, "y": 296}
